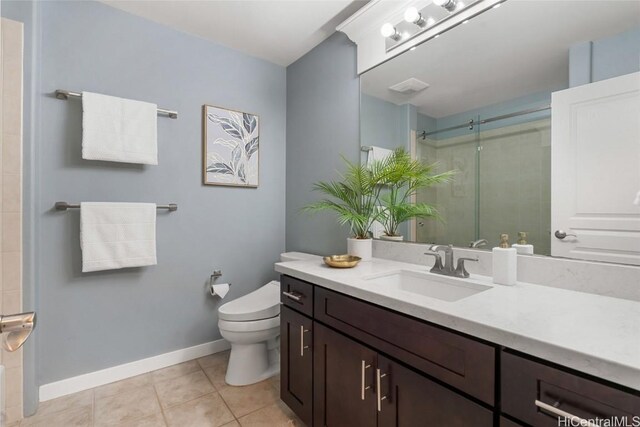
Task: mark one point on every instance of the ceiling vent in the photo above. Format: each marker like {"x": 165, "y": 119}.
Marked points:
{"x": 409, "y": 86}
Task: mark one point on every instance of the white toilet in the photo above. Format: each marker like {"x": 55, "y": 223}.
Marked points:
{"x": 251, "y": 324}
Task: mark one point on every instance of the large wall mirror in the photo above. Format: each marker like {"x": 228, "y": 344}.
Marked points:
{"x": 535, "y": 105}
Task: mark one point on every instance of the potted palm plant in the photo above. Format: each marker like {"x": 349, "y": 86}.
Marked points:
{"x": 354, "y": 199}
{"x": 402, "y": 178}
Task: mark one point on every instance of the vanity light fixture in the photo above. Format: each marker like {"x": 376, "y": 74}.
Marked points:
{"x": 388, "y": 30}
{"x": 497, "y": 5}
{"x": 412, "y": 16}
{"x": 449, "y": 5}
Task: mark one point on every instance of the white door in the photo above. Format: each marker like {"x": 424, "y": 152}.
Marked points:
{"x": 595, "y": 171}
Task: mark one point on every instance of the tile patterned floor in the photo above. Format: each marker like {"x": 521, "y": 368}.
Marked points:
{"x": 190, "y": 394}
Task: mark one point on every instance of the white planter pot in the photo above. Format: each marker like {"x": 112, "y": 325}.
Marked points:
{"x": 362, "y": 248}
{"x": 392, "y": 238}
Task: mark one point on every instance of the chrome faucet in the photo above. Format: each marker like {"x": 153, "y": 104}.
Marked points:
{"x": 478, "y": 243}
{"x": 447, "y": 269}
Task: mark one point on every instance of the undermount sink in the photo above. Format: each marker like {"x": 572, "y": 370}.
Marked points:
{"x": 429, "y": 285}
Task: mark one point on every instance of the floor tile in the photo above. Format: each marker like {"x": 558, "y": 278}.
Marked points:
{"x": 275, "y": 382}
{"x": 155, "y": 420}
{"x": 175, "y": 371}
{"x": 216, "y": 375}
{"x": 276, "y": 415}
{"x": 206, "y": 411}
{"x": 184, "y": 388}
{"x": 246, "y": 399}
{"x": 123, "y": 386}
{"x": 83, "y": 398}
{"x": 77, "y": 417}
{"x": 221, "y": 358}
{"x": 126, "y": 406}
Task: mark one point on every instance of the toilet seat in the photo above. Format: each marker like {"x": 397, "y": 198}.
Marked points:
{"x": 249, "y": 325}
{"x": 263, "y": 303}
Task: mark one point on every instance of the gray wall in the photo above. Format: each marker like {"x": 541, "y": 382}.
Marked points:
{"x": 323, "y": 97}
{"x": 383, "y": 123}
{"x": 605, "y": 58}
{"x": 93, "y": 321}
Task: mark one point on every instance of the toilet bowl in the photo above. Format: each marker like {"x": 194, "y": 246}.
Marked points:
{"x": 251, "y": 324}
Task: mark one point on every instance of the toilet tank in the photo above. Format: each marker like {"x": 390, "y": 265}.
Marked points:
{"x": 297, "y": 256}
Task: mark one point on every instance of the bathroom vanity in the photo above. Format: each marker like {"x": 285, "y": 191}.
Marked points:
{"x": 359, "y": 350}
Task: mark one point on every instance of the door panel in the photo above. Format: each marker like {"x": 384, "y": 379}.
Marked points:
{"x": 343, "y": 387}
{"x": 408, "y": 399}
{"x": 595, "y": 166}
{"x": 296, "y": 363}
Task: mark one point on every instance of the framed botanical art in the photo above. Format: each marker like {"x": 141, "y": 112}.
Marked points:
{"x": 231, "y": 143}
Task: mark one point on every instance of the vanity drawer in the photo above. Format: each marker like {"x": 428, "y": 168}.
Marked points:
{"x": 525, "y": 382}
{"x": 297, "y": 294}
{"x": 463, "y": 363}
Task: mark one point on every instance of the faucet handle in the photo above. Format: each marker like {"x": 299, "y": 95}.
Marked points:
{"x": 437, "y": 265}
{"x": 460, "y": 270}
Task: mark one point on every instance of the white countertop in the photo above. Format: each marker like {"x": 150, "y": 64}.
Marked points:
{"x": 594, "y": 334}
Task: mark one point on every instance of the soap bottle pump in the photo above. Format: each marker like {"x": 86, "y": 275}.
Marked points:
{"x": 505, "y": 262}
{"x": 522, "y": 247}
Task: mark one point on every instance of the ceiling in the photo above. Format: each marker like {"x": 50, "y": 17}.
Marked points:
{"x": 278, "y": 31}
{"x": 518, "y": 49}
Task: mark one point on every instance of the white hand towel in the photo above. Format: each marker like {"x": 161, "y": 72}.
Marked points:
{"x": 377, "y": 154}
{"x": 119, "y": 130}
{"x": 117, "y": 235}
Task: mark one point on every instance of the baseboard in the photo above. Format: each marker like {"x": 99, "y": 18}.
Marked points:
{"x": 127, "y": 370}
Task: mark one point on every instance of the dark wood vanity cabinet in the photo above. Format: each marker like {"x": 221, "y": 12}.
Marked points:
{"x": 344, "y": 386}
{"x": 296, "y": 359}
{"x": 347, "y": 362}
{"x": 535, "y": 392}
{"x": 409, "y": 399}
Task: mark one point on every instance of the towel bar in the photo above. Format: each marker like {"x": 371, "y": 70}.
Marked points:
{"x": 65, "y": 94}
{"x": 63, "y": 206}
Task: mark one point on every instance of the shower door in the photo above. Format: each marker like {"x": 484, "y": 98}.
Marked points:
{"x": 502, "y": 182}
{"x": 456, "y": 201}
{"x": 514, "y": 190}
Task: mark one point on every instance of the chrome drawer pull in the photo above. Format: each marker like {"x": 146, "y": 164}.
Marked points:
{"x": 291, "y": 295}
{"x": 559, "y": 412}
{"x": 364, "y": 386}
{"x": 302, "y": 346}
{"x": 379, "y": 376}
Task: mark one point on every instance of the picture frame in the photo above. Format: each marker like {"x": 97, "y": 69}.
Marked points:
{"x": 230, "y": 147}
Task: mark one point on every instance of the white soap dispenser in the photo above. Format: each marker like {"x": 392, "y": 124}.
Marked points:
{"x": 522, "y": 246}
{"x": 505, "y": 262}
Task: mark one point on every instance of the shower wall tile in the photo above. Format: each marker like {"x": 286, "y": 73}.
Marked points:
{"x": 11, "y": 86}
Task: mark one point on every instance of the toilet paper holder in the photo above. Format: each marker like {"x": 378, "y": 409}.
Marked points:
{"x": 214, "y": 276}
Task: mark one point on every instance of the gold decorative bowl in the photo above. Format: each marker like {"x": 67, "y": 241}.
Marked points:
{"x": 341, "y": 261}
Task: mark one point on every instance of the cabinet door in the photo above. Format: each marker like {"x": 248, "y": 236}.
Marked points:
{"x": 296, "y": 363}
{"x": 344, "y": 389}
{"x": 408, "y": 399}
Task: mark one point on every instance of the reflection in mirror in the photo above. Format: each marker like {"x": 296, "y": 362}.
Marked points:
{"x": 478, "y": 100}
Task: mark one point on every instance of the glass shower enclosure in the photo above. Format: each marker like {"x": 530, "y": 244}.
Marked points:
{"x": 502, "y": 182}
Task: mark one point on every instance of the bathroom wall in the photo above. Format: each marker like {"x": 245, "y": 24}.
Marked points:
{"x": 384, "y": 124}
{"x": 11, "y": 206}
{"x": 604, "y": 58}
{"x": 94, "y": 321}
{"x": 323, "y": 104}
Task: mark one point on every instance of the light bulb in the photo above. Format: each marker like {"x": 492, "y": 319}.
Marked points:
{"x": 430, "y": 21}
{"x": 450, "y": 5}
{"x": 405, "y": 35}
{"x": 387, "y": 30}
{"x": 460, "y": 5}
{"x": 411, "y": 15}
